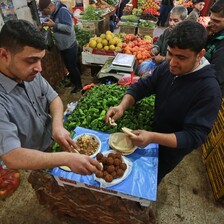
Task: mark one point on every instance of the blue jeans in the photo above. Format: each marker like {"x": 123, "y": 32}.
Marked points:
{"x": 69, "y": 57}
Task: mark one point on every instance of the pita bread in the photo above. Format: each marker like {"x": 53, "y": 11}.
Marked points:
{"x": 121, "y": 142}
{"x": 128, "y": 131}
{"x": 66, "y": 168}
{"x": 112, "y": 122}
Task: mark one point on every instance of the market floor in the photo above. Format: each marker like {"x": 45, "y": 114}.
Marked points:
{"x": 184, "y": 196}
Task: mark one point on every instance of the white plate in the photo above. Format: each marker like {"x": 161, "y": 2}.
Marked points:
{"x": 125, "y": 160}
{"x": 97, "y": 139}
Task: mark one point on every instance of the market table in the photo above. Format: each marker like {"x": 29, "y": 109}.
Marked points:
{"x": 82, "y": 197}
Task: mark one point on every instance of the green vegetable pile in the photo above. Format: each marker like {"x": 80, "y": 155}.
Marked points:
{"x": 91, "y": 13}
{"x": 82, "y": 36}
{"x": 112, "y": 2}
{"x": 136, "y": 12}
{"x": 92, "y": 108}
{"x": 132, "y": 18}
{"x": 128, "y": 23}
{"x": 147, "y": 24}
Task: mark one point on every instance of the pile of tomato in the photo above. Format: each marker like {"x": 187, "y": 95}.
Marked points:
{"x": 9, "y": 182}
{"x": 138, "y": 47}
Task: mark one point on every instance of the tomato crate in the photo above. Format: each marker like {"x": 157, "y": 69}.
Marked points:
{"x": 215, "y": 168}
{"x": 145, "y": 31}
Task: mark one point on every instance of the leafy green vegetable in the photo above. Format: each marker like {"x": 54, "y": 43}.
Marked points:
{"x": 91, "y": 13}
{"x": 82, "y": 36}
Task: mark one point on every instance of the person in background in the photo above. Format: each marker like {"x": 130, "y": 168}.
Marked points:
{"x": 61, "y": 23}
{"x": 159, "y": 49}
{"x": 123, "y": 3}
{"x": 31, "y": 111}
{"x": 215, "y": 43}
{"x": 187, "y": 98}
{"x": 198, "y": 6}
{"x": 165, "y": 7}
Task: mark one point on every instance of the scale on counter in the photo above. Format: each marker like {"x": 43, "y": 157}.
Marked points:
{"x": 118, "y": 66}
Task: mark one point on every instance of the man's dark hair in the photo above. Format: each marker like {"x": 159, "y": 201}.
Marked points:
{"x": 218, "y": 7}
{"x": 16, "y": 34}
{"x": 188, "y": 35}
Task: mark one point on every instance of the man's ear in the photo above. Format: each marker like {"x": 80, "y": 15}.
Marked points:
{"x": 201, "y": 54}
{"x": 4, "y": 54}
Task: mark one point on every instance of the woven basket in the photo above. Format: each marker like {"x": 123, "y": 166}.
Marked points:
{"x": 215, "y": 168}
{"x": 215, "y": 135}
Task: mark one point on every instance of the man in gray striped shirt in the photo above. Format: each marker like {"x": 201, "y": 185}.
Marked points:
{"x": 31, "y": 111}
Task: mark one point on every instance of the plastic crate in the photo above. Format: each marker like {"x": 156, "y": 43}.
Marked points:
{"x": 145, "y": 31}
{"x": 215, "y": 168}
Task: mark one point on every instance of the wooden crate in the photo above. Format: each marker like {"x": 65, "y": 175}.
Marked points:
{"x": 215, "y": 168}
{"x": 145, "y": 31}
{"x": 215, "y": 135}
{"x": 94, "y": 26}
{"x": 127, "y": 29}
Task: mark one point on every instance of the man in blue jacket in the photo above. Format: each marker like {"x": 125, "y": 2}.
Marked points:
{"x": 62, "y": 26}
{"x": 187, "y": 100}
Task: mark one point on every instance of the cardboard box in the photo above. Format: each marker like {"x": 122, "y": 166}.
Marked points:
{"x": 99, "y": 51}
{"x": 141, "y": 183}
{"x": 61, "y": 181}
{"x": 89, "y": 58}
{"x": 96, "y": 56}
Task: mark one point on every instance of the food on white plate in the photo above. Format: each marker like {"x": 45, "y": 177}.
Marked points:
{"x": 88, "y": 144}
{"x": 121, "y": 142}
{"x": 113, "y": 166}
{"x": 112, "y": 122}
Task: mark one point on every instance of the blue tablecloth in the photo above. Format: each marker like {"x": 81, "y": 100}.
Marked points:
{"x": 142, "y": 181}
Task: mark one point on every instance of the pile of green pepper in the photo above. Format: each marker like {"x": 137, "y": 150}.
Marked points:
{"x": 91, "y": 110}
{"x": 92, "y": 107}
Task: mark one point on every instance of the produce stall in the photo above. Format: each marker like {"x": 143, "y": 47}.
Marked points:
{"x": 83, "y": 197}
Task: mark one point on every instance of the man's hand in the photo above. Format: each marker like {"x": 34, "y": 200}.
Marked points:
{"x": 142, "y": 138}
{"x": 63, "y": 138}
{"x": 83, "y": 164}
{"x": 50, "y": 23}
{"x": 159, "y": 58}
{"x": 114, "y": 113}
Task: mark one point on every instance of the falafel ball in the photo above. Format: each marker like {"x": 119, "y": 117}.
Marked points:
{"x": 99, "y": 174}
{"x": 110, "y": 168}
{"x": 109, "y": 178}
{"x": 120, "y": 173}
{"x": 99, "y": 156}
{"x": 110, "y": 161}
{"x": 117, "y": 162}
{"x": 123, "y": 166}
